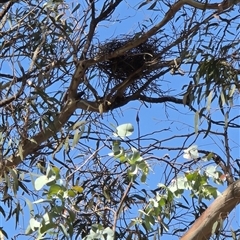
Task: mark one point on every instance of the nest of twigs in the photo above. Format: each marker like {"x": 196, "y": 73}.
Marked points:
{"x": 135, "y": 66}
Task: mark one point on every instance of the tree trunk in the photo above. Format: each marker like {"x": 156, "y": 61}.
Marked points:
{"x": 217, "y": 212}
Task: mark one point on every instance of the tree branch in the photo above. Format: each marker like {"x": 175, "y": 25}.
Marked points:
{"x": 218, "y": 211}
{"x": 28, "y": 146}
{"x": 168, "y": 16}
{"x": 161, "y": 99}
{"x": 118, "y": 211}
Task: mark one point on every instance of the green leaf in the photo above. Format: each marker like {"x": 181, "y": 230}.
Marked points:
{"x": 76, "y": 8}
{"x": 55, "y": 189}
{"x": 210, "y": 191}
{"x": 46, "y": 218}
{"x": 47, "y": 227}
{"x": 152, "y": 6}
{"x": 234, "y": 236}
{"x": 78, "y": 124}
{"x": 143, "y": 4}
{"x": 77, "y": 136}
{"x": 106, "y": 193}
{"x": 109, "y": 233}
{"x": 135, "y": 156}
{"x": 42, "y": 201}
{"x": 196, "y": 119}
{"x": 211, "y": 171}
{"x": 69, "y": 193}
{"x": 116, "y": 147}
{"x": 2, "y": 211}
{"x": 231, "y": 92}
{"x": 223, "y": 99}
{"x": 14, "y": 175}
{"x": 64, "y": 230}
{"x": 3, "y": 233}
{"x": 118, "y": 152}
{"x": 165, "y": 226}
{"x": 178, "y": 183}
{"x": 209, "y": 100}
{"x": 30, "y": 206}
{"x": 23, "y": 186}
{"x": 132, "y": 223}
{"x": 78, "y": 189}
{"x": 208, "y": 129}
{"x": 34, "y": 224}
{"x": 133, "y": 170}
{"x": 191, "y": 152}
{"x": 66, "y": 144}
{"x": 210, "y": 156}
{"x": 43, "y": 180}
{"x": 124, "y": 130}
{"x": 143, "y": 178}
{"x": 214, "y": 227}
{"x": 147, "y": 222}
{"x": 17, "y": 211}
{"x": 144, "y": 167}
{"x": 40, "y": 182}
{"x": 56, "y": 171}
{"x": 28, "y": 231}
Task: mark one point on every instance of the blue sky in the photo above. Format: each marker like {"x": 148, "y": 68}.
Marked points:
{"x": 154, "y": 117}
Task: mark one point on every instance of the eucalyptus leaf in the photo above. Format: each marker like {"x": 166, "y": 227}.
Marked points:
{"x": 41, "y": 181}
{"x": 34, "y": 224}
{"x": 124, "y": 130}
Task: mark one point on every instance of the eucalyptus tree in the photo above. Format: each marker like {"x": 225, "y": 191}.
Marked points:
{"x": 66, "y": 85}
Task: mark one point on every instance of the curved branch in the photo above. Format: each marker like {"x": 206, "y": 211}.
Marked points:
{"x": 168, "y": 16}
{"x": 76, "y": 79}
{"x": 16, "y": 96}
{"x": 120, "y": 206}
{"x": 217, "y": 6}
{"x": 94, "y": 106}
{"x": 106, "y": 11}
{"x": 88, "y": 105}
{"x": 161, "y": 99}
{"x": 217, "y": 212}
{"x": 28, "y": 146}
{"x": 5, "y": 10}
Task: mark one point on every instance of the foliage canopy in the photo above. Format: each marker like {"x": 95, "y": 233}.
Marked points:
{"x": 66, "y": 85}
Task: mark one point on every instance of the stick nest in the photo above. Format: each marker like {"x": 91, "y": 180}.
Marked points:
{"x": 135, "y": 66}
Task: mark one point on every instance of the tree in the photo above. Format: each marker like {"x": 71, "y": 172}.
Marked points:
{"x": 69, "y": 160}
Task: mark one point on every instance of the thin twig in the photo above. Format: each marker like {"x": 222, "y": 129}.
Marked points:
{"x": 117, "y": 213}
